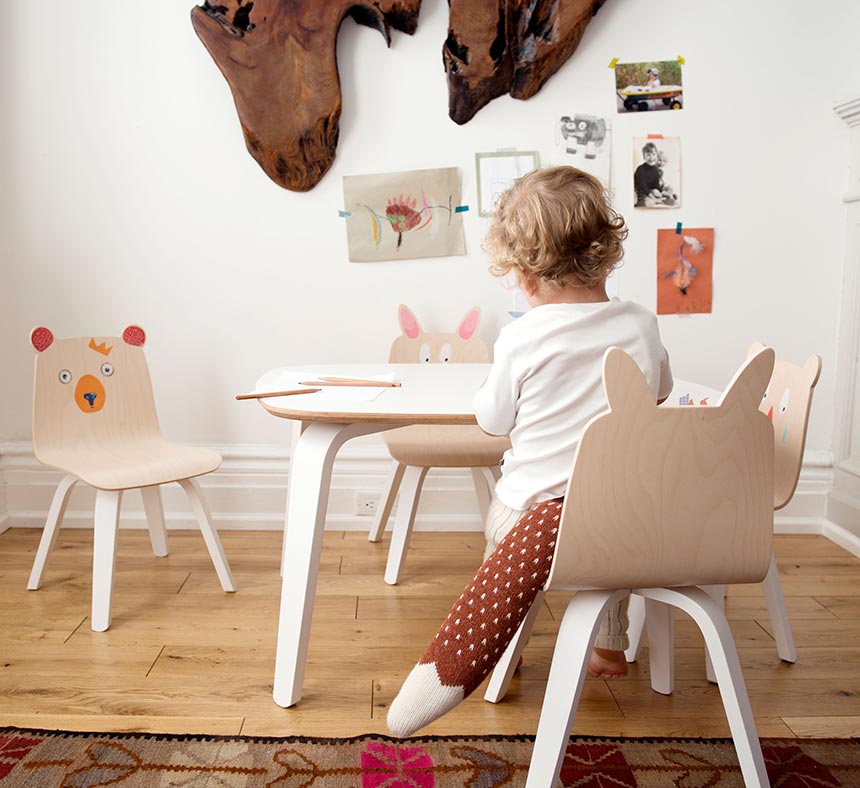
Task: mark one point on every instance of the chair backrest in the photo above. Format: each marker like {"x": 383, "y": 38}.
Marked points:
{"x": 669, "y": 496}
{"x": 91, "y": 391}
{"x": 418, "y": 346}
{"x": 787, "y": 403}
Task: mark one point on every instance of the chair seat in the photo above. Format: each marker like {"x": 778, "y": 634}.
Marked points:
{"x": 445, "y": 446}
{"x": 126, "y": 465}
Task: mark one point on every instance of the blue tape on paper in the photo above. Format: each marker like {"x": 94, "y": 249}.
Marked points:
{"x": 461, "y": 209}
{"x": 344, "y": 214}
{"x": 678, "y": 228}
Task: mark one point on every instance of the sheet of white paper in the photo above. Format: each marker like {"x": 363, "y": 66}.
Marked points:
{"x": 293, "y": 379}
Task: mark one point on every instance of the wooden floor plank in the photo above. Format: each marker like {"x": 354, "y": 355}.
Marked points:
{"x": 127, "y": 723}
{"x": 824, "y": 727}
{"x": 183, "y": 656}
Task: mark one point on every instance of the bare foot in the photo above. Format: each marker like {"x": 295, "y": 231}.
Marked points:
{"x": 607, "y": 664}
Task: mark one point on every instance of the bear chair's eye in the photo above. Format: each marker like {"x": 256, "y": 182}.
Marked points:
{"x": 65, "y": 376}
{"x": 445, "y": 353}
{"x": 107, "y": 369}
{"x": 424, "y": 353}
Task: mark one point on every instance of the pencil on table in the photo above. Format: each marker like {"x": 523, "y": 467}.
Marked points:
{"x": 328, "y": 381}
{"x": 263, "y": 394}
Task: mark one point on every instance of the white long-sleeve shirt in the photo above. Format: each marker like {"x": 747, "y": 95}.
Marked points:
{"x": 546, "y": 383}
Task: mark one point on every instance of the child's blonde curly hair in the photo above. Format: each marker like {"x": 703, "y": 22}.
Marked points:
{"x": 557, "y": 224}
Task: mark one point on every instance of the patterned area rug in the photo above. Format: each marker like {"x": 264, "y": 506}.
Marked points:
{"x": 56, "y": 759}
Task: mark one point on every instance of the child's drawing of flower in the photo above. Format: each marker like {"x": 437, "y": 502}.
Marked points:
{"x": 402, "y": 215}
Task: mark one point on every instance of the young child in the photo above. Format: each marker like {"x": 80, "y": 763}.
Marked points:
{"x": 653, "y": 79}
{"x": 648, "y": 177}
{"x": 555, "y": 230}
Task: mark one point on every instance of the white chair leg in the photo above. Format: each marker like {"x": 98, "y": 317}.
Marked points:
{"x": 104, "y": 556}
{"x": 500, "y": 679}
{"x": 636, "y": 616}
{"x": 564, "y": 687}
{"x": 718, "y": 594}
{"x": 709, "y": 616}
{"x": 51, "y": 529}
{"x": 485, "y": 484}
{"x": 413, "y": 480}
{"x": 778, "y": 614}
{"x": 154, "y": 510}
{"x": 661, "y": 645}
{"x": 387, "y": 504}
{"x": 210, "y": 535}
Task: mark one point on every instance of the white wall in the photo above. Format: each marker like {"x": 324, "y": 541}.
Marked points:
{"x": 128, "y": 196}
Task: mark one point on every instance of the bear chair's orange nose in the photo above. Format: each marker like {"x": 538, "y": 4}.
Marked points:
{"x": 770, "y": 413}
{"x": 90, "y": 394}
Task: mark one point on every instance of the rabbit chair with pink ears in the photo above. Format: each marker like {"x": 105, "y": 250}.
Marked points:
{"x": 418, "y": 448}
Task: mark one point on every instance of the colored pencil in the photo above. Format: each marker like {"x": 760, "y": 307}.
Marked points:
{"x": 327, "y": 381}
{"x": 263, "y": 394}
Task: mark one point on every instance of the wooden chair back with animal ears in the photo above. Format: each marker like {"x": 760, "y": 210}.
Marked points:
{"x": 670, "y": 496}
{"x": 94, "y": 419}
{"x": 88, "y": 393}
{"x": 415, "y": 345}
{"x": 418, "y": 448}
{"x": 660, "y": 501}
{"x": 787, "y": 403}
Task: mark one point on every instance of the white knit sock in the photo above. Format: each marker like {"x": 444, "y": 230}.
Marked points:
{"x": 422, "y": 699}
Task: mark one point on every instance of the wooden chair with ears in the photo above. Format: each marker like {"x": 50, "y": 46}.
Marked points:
{"x": 418, "y": 448}
{"x": 660, "y": 501}
{"x": 787, "y": 403}
{"x": 94, "y": 419}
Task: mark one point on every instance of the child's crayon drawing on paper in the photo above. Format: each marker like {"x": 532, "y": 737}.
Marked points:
{"x": 685, "y": 271}
{"x": 585, "y": 142}
{"x": 400, "y": 215}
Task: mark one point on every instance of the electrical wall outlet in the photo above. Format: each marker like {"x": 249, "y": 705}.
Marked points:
{"x": 366, "y": 503}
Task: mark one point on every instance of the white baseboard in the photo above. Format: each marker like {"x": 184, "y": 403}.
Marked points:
{"x": 248, "y": 492}
{"x": 847, "y": 540}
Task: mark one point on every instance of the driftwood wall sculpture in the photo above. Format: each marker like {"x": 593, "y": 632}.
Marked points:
{"x": 508, "y": 46}
{"x": 279, "y": 58}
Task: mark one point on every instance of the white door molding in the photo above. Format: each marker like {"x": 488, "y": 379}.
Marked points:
{"x": 843, "y": 506}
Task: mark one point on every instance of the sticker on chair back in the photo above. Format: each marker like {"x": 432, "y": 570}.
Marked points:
{"x": 80, "y": 368}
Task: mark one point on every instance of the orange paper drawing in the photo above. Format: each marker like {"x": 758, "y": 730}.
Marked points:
{"x": 684, "y": 271}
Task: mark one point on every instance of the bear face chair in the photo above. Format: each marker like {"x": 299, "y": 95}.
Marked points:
{"x": 94, "y": 419}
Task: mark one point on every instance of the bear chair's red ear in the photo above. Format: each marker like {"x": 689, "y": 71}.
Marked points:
{"x": 134, "y": 335}
{"x": 41, "y": 339}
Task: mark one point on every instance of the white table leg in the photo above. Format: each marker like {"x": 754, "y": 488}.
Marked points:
{"x": 310, "y": 477}
{"x": 296, "y": 430}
